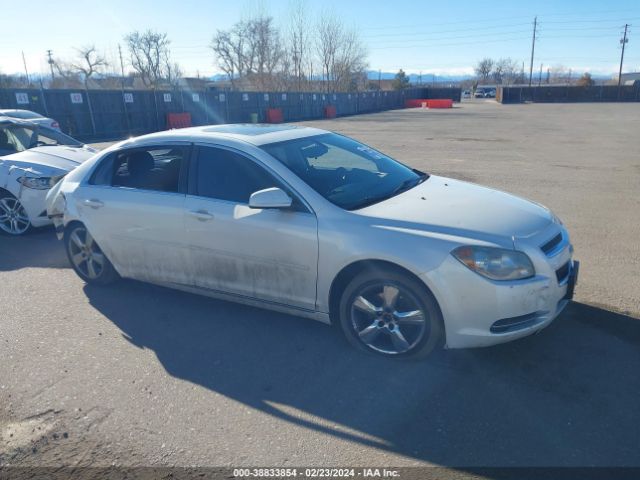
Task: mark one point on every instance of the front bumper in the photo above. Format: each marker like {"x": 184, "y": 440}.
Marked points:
{"x": 478, "y": 312}
{"x": 34, "y": 203}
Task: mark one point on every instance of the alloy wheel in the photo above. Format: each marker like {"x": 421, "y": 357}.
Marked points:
{"x": 13, "y": 217}
{"x": 85, "y": 253}
{"x": 388, "y": 318}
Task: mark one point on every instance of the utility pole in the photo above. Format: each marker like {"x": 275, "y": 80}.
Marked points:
{"x": 50, "y": 62}
{"x": 124, "y": 103}
{"x": 26, "y": 72}
{"x": 540, "y": 76}
{"x": 624, "y": 40}
{"x": 121, "y": 66}
{"x": 533, "y": 47}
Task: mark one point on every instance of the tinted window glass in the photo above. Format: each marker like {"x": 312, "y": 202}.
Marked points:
{"x": 345, "y": 172}
{"x": 17, "y": 138}
{"x": 225, "y": 175}
{"x": 148, "y": 169}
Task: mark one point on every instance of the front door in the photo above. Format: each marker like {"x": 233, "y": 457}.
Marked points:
{"x": 265, "y": 254}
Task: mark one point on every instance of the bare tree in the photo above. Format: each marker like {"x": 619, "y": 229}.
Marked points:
{"x": 88, "y": 63}
{"x": 329, "y": 31}
{"x": 299, "y": 45}
{"x": 341, "y": 54}
{"x": 250, "y": 49}
{"x": 559, "y": 74}
{"x": 505, "y": 71}
{"x": 484, "y": 68}
{"x": 228, "y": 47}
{"x": 150, "y": 55}
{"x": 265, "y": 48}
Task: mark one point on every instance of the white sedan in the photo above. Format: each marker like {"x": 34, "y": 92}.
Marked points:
{"x": 32, "y": 159}
{"x": 30, "y": 116}
{"x": 318, "y": 225}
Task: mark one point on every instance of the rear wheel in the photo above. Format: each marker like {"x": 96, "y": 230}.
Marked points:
{"x": 390, "y": 314}
{"x": 14, "y": 219}
{"x": 86, "y": 257}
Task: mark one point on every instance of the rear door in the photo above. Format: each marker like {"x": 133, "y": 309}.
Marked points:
{"x": 133, "y": 206}
{"x": 265, "y": 254}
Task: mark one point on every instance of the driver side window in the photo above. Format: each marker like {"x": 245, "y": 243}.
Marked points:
{"x": 225, "y": 175}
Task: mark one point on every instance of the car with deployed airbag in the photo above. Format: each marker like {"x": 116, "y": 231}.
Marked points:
{"x": 318, "y": 225}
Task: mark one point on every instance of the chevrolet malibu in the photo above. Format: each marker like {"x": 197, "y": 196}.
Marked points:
{"x": 318, "y": 225}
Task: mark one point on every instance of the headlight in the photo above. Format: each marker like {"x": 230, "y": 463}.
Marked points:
{"x": 495, "y": 263}
{"x": 39, "y": 183}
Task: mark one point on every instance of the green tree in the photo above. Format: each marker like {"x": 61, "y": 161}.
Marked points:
{"x": 401, "y": 81}
{"x": 586, "y": 80}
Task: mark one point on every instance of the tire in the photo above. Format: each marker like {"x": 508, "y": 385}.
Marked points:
{"x": 86, "y": 257}
{"x": 14, "y": 219}
{"x": 377, "y": 304}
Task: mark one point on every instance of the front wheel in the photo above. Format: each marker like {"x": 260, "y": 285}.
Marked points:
{"x": 390, "y": 314}
{"x": 14, "y": 219}
{"x": 86, "y": 257}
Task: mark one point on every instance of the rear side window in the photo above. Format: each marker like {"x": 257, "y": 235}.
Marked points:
{"x": 226, "y": 175}
{"x": 156, "y": 169}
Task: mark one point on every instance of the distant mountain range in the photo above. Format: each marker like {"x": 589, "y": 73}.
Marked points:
{"x": 373, "y": 75}
{"x": 415, "y": 78}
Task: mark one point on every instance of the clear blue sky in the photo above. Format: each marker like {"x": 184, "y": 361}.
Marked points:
{"x": 417, "y": 35}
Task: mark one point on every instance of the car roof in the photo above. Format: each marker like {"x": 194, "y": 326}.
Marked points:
{"x": 15, "y": 121}
{"x": 254, "y": 133}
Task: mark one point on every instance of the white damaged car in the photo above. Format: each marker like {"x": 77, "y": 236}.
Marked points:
{"x": 318, "y": 225}
{"x": 33, "y": 159}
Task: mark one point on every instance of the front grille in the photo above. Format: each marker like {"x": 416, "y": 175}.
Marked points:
{"x": 563, "y": 272}
{"x": 549, "y": 247}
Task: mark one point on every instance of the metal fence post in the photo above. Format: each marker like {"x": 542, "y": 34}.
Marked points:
{"x": 93, "y": 122}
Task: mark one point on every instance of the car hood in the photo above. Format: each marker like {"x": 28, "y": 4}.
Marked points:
{"x": 453, "y": 207}
{"x": 44, "y": 160}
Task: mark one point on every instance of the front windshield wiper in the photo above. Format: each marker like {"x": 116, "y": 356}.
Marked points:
{"x": 403, "y": 187}
{"x": 409, "y": 184}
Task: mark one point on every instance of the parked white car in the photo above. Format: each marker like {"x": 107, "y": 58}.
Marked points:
{"x": 318, "y": 225}
{"x": 32, "y": 159}
{"x": 30, "y": 116}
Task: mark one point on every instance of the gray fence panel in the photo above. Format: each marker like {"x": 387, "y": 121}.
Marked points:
{"x": 558, "y": 94}
{"x": 134, "y": 112}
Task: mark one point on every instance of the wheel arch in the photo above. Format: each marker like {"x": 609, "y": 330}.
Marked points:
{"x": 348, "y": 272}
{"x": 5, "y": 190}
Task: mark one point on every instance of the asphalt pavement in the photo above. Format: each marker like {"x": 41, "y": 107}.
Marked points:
{"x": 134, "y": 374}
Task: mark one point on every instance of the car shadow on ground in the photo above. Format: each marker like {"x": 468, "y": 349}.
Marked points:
{"x": 37, "y": 248}
{"x": 567, "y": 396}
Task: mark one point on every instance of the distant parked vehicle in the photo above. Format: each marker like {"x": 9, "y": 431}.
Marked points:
{"x": 33, "y": 158}
{"x": 466, "y": 94}
{"x": 30, "y": 116}
{"x": 479, "y": 94}
{"x": 490, "y": 94}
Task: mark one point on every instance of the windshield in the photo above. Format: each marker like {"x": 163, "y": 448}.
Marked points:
{"x": 17, "y": 138}
{"x": 345, "y": 172}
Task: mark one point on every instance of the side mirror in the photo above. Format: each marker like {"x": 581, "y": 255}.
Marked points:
{"x": 270, "y": 198}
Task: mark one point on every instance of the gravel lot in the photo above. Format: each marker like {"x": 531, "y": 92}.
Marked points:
{"x": 139, "y": 375}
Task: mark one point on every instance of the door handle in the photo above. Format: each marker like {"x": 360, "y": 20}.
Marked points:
{"x": 201, "y": 215}
{"x": 93, "y": 203}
